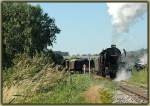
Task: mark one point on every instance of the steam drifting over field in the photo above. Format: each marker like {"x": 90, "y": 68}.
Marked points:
{"x": 123, "y": 74}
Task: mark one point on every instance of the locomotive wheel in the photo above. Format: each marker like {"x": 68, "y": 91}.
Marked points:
{"x": 103, "y": 74}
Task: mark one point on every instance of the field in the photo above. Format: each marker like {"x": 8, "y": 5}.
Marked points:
{"x": 140, "y": 78}
{"x": 29, "y": 82}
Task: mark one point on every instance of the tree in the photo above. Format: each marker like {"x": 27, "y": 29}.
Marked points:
{"x": 25, "y": 28}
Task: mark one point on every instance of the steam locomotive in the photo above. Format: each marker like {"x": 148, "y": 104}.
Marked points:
{"x": 108, "y": 62}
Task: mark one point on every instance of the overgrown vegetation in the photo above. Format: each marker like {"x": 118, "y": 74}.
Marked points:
{"x": 67, "y": 91}
{"x": 26, "y": 68}
{"x": 39, "y": 82}
{"x": 108, "y": 91}
{"x": 36, "y": 75}
{"x": 70, "y": 91}
{"x": 106, "y": 96}
{"x": 140, "y": 77}
{"x": 46, "y": 86}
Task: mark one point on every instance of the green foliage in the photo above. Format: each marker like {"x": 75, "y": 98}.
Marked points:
{"x": 25, "y": 28}
{"x": 39, "y": 82}
{"x": 49, "y": 86}
{"x": 107, "y": 90}
{"x": 70, "y": 91}
{"x": 58, "y": 59}
{"x": 106, "y": 96}
{"x": 25, "y": 67}
{"x": 67, "y": 91}
{"x": 139, "y": 77}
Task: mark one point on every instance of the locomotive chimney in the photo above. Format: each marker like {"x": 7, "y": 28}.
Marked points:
{"x": 113, "y": 46}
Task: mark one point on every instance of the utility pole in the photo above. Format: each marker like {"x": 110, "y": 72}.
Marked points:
{"x": 89, "y": 66}
{"x": 84, "y": 66}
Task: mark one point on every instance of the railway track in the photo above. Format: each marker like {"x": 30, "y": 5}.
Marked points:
{"x": 139, "y": 94}
{"x": 128, "y": 93}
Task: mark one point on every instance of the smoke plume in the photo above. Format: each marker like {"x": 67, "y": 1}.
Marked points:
{"x": 125, "y": 14}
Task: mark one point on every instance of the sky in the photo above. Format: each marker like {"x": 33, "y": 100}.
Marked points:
{"x": 86, "y": 28}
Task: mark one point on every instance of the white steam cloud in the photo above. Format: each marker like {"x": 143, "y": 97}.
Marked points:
{"x": 122, "y": 75}
{"x": 143, "y": 59}
{"x": 125, "y": 14}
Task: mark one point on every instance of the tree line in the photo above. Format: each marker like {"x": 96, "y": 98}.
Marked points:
{"x": 26, "y": 29}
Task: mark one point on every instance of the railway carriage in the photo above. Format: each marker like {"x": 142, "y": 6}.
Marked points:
{"x": 108, "y": 63}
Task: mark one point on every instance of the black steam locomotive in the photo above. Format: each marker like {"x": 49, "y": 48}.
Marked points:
{"x": 109, "y": 61}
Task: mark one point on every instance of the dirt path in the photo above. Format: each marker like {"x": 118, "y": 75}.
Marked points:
{"x": 92, "y": 94}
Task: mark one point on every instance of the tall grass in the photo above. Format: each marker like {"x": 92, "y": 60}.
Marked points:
{"x": 68, "y": 91}
{"x": 106, "y": 96}
{"x": 38, "y": 81}
{"x": 140, "y": 77}
{"x": 24, "y": 68}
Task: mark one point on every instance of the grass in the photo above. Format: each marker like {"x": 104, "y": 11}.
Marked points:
{"x": 106, "y": 96}
{"x": 68, "y": 91}
{"x": 139, "y": 77}
{"x": 39, "y": 83}
{"x": 108, "y": 90}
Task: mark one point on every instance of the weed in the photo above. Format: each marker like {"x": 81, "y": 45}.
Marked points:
{"x": 139, "y": 77}
{"x": 106, "y": 96}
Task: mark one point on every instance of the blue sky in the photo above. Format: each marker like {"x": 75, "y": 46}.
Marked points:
{"x": 87, "y": 28}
